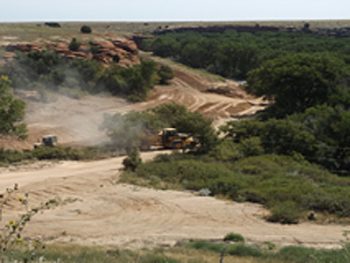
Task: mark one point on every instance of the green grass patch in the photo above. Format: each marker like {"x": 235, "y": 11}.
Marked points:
{"x": 8, "y": 157}
{"x": 239, "y": 249}
{"x": 233, "y": 237}
{"x": 291, "y": 254}
{"x": 66, "y": 254}
{"x": 191, "y": 252}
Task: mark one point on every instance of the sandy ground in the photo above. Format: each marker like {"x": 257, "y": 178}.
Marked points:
{"x": 100, "y": 211}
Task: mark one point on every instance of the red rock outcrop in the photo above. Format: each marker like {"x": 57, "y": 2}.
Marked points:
{"x": 121, "y": 51}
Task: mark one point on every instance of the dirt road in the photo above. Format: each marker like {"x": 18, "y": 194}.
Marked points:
{"x": 100, "y": 211}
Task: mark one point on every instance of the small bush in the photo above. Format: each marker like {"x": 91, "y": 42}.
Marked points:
{"x": 94, "y": 49}
{"x": 86, "y": 29}
{"x": 243, "y": 250}
{"x": 226, "y": 151}
{"x": 165, "y": 74}
{"x": 285, "y": 213}
{"x": 234, "y": 237}
{"x": 74, "y": 45}
{"x": 133, "y": 160}
{"x": 251, "y": 147}
{"x": 57, "y": 76}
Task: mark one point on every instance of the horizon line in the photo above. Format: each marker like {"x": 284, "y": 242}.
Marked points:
{"x": 175, "y": 21}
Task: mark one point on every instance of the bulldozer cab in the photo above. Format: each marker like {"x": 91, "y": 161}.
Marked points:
{"x": 172, "y": 139}
{"x": 50, "y": 140}
{"x": 168, "y": 134}
{"x": 168, "y": 138}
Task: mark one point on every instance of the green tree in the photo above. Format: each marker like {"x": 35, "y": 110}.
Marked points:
{"x": 297, "y": 82}
{"x": 11, "y": 111}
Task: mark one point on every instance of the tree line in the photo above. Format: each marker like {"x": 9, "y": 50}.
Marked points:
{"x": 234, "y": 54}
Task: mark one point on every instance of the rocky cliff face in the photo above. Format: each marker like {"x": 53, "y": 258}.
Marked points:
{"x": 121, "y": 51}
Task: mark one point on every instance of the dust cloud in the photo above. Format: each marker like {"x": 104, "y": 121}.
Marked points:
{"x": 76, "y": 121}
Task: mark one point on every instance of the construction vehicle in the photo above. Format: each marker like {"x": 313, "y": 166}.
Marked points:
{"x": 47, "y": 141}
{"x": 169, "y": 138}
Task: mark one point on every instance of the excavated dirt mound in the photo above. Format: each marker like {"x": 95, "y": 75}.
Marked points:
{"x": 97, "y": 210}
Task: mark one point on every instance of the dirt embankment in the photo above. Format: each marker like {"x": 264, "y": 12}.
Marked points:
{"x": 100, "y": 211}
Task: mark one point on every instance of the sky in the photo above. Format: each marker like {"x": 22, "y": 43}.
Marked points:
{"x": 171, "y": 10}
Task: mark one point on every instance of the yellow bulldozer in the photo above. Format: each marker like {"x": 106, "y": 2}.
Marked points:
{"x": 168, "y": 138}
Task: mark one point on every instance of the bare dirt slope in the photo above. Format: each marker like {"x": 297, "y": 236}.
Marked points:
{"x": 100, "y": 211}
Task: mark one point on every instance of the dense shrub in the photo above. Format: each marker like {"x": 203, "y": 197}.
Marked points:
{"x": 74, "y": 45}
{"x": 251, "y": 147}
{"x": 234, "y": 237}
{"x": 165, "y": 74}
{"x": 226, "y": 151}
{"x": 134, "y": 82}
{"x": 86, "y": 29}
{"x": 285, "y": 213}
{"x": 133, "y": 160}
{"x": 11, "y": 110}
{"x": 243, "y": 250}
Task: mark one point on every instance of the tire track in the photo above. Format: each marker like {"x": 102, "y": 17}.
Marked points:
{"x": 100, "y": 211}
